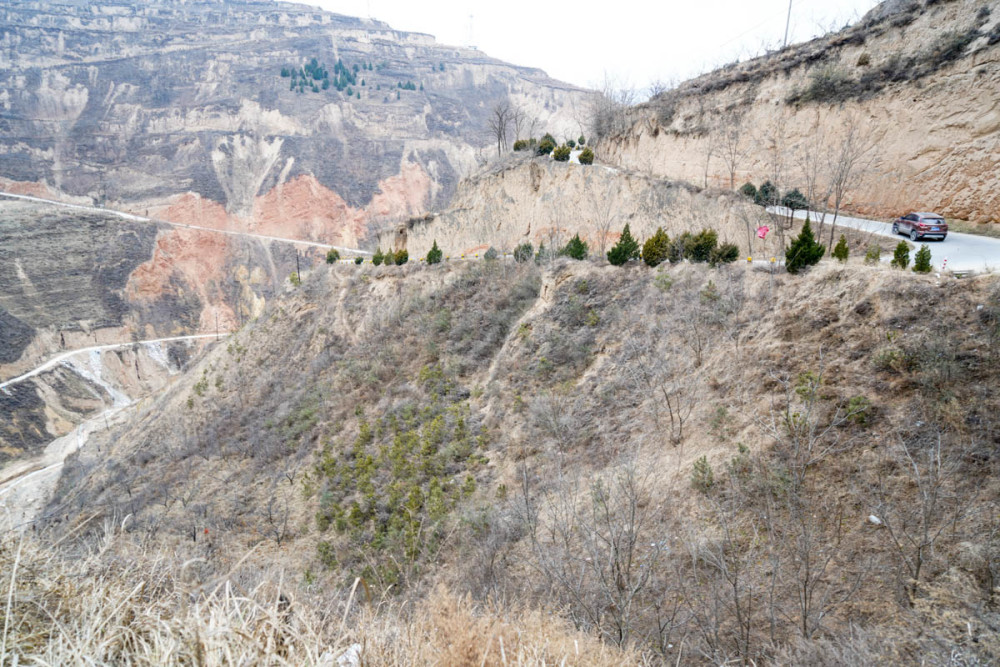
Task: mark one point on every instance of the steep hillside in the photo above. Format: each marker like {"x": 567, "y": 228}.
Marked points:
{"x": 660, "y": 454}
{"x": 915, "y": 84}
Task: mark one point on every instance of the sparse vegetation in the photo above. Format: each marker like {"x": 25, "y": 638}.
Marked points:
{"x": 524, "y": 252}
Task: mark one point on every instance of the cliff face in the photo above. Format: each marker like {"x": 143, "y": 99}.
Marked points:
{"x": 918, "y": 82}
{"x": 540, "y": 201}
{"x": 155, "y": 105}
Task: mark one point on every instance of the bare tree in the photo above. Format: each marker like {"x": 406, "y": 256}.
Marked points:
{"x": 504, "y": 117}
{"x": 599, "y": 551}
{"x": 609, "y": 108}
{"x": 732, "y": 148}
{"x": 913, "y": 526}
{"x": 851, "y": 161}
{"x": 605, "y": 206}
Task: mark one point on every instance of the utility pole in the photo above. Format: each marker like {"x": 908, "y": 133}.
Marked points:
{"x": 788, "y": 22}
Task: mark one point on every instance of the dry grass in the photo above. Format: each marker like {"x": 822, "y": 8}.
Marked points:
{"x": 119, "y": 604}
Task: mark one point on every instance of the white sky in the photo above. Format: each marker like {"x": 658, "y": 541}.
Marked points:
{"x": 634, "y": 42}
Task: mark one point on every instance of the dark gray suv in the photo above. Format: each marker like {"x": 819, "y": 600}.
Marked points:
{"x": 921, "y": 226}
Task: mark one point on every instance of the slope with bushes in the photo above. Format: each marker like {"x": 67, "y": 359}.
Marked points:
{"x": 668, "y": 456}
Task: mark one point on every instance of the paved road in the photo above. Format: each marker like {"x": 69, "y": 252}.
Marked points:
{"x": 139, "y": 218}
{"x": 54, "y": 361}
{"x": 963, "y": 252}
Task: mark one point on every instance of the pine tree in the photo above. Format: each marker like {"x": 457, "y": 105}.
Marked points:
{"x": 377, "y": 257}
{"x": 901, "y": 256}
{"x": 656, "y": 249}
{"x": 332, "y": 256}
{"x": 804, "y": 251}
{"x": 841, "y": 251}
{"x": 627, "y": 248}
{"x": 922, "y": 260}
{"x": 576, "y": 248}
{"x": 434, "y": 255}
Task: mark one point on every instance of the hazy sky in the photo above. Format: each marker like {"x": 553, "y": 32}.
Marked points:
{"x": 635, "y": 41}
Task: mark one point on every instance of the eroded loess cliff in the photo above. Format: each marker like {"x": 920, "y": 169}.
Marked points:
{"x": 181, "y": 109}
{"x": 539, "y": 201}
{"x": 917, "y": 83}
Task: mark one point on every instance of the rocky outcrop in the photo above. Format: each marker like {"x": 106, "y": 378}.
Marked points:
{"x": 540, "y": 201}
{"x": 918, "y": 82}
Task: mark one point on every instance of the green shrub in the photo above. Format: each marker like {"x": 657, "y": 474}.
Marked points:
{"x": 545, "y": 146}
{"x": 901, "y": 256}
{"x": 571, "y": 143}
{"x": 804, "y": 251}
{"x": 795, "y": 200}
{"x": 523, "y": 252}
{"x": 749, "y": 190}
{"x": 522, "y": 145}
{"x": 627, "y": 248}
{"x": 922, "y": 260}
{"x": 332, "y": 256}
{"x": 389, "y": 259}
{"x": 767, "y": 195}
{"x": 727, "y": 253}
{"x": 401, "y": 257}
{"x": 576, "y": 248}
{"x": 701, "y": 246}
{"x": 378, "y": 257}
{"x": 841, "y": 251}
{"x": 859, "y": 410}
{"x": 702, "y": 477}
{"x": 873, "y": 255}
{"x": 562, "y": 153}
{"x": 434, "y": 255}
{"x": 295, "y": 279}
{"x": 656, "y": 249}
{"x": 586, "y": 156}
{"x": 827, "y": 84}
{"x": 582, "y": 141}
{"x": 359, "y": 260}
{"x": 491, "y": 254}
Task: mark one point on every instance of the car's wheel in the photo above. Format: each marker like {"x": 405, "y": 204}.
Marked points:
{"x": 913, "y": 235}
{"x": 895, "y": 228}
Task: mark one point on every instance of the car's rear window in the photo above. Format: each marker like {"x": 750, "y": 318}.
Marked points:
{"x": 935, "y": 221}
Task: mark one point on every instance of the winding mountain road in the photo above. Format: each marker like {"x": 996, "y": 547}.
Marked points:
{"x": 138, "y": 218}
{"x": 54, "y": 361}
{"x": 958, "y": 252}
{"x": 25, "y": 485}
